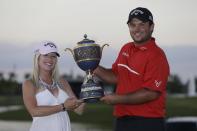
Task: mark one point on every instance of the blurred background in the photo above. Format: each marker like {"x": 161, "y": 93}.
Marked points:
{"x": 24, "y": 23}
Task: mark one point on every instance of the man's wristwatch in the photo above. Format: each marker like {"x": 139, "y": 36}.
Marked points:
{"x": 63, "y": 107}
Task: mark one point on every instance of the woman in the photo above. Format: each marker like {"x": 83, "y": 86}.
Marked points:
{"x": 46, "y": 96}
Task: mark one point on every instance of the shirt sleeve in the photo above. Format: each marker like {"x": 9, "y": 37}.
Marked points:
{"x": 115, "y": 67}
{"x": 156, "y": 73}
{"x": 115, "y": 64}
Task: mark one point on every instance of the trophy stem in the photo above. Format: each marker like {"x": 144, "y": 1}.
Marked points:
{"x": 89, "y": 75}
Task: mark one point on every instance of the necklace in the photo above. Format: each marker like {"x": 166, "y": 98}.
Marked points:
{"x": 47, "y": 86}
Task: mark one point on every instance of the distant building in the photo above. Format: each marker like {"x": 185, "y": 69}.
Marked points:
{"x": 192, "y": 87}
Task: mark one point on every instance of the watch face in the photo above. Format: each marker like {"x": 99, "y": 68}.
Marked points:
{"x": 63, "y": 107}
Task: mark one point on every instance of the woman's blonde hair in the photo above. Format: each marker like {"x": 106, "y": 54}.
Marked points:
{"x": 36, "y": 70}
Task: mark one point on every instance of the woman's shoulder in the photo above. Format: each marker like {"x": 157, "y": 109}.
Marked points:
{"x": 28, "y": 83}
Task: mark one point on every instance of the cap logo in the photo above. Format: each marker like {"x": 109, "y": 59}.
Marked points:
{"x": 136, "y": 12}
{"x": 50, "y": 44}
{"x": 150, "y": 18}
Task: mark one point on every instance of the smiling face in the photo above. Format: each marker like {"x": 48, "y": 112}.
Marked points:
{"x": 140, "y": 31}
{"x": 47, "y": 62}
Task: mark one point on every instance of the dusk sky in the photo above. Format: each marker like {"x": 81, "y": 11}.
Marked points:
{"x": 26, "y": 22}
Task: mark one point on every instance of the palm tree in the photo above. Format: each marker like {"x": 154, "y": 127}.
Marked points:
{"x": 12, "y": 76}
{"x": 1, "y": 76}
{"x": 27, "y": 76}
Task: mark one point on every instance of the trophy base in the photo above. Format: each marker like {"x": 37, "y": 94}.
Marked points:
{"x": 91, "y": 92}
{"x": 91, "y": 100}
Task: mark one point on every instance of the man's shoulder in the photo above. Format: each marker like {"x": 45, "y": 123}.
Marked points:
{"x": 127, "y": 45}
{"x": 158, "y": 50}
{"x": 157, "y": 53}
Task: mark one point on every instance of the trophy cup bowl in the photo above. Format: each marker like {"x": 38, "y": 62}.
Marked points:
{"x": 87, "y": 55}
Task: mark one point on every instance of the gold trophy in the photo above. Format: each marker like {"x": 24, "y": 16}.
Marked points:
{"x": 87, "y": 55}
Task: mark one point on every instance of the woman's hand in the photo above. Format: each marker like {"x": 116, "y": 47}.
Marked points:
{"x": 80, "y": 109}
{"x": 72, "y": 103}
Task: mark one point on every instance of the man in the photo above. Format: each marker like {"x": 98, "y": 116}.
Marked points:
{"x": 140, "y": 72}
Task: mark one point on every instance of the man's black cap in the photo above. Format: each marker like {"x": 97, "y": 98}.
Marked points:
{"x": 141, "y": 13}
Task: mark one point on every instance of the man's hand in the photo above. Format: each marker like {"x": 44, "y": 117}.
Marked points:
{"x": 109, "y": 99}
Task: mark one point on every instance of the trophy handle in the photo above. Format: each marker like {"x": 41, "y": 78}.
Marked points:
{"x": 103, "y": 47}
{"x": 70, "y": 51}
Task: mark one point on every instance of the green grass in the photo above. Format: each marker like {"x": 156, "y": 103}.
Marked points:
{"x": 21, "y": 115}
{"x": 181, "y": 106}
{"x": 101, "y": 115}
{"x": 95, "y": 114}
{"x": 11, "y": 100}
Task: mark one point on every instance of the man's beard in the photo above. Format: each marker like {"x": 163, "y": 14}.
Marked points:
{"x": 142, "y": 40}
